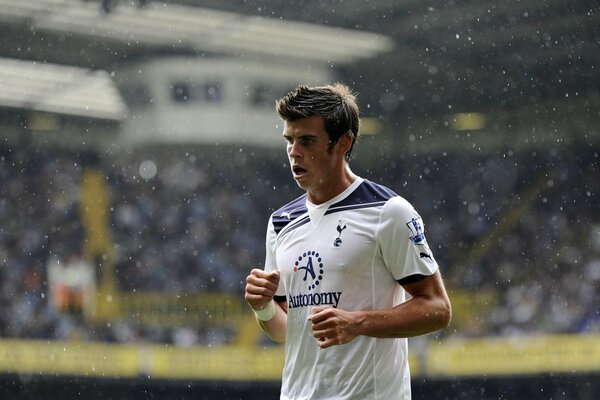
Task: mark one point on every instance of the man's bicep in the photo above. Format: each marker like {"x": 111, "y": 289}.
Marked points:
{"x": 427, "y": 286}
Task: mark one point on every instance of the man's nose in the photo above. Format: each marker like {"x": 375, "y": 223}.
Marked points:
{"x": 294, "y": 149}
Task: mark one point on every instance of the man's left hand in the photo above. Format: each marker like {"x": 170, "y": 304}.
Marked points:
{"x": 332, "y": 326}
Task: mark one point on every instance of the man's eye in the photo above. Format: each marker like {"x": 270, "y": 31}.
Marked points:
{"x": 305, "y": 141}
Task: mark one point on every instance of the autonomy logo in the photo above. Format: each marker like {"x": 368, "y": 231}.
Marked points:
{"x": 310, "y": 258}
{"x": 312, "y": 264}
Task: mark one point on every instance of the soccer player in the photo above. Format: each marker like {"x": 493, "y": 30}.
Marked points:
{"x": 339, "y": 262}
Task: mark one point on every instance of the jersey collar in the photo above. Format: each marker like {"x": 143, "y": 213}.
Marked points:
{"x": 316, "y": 212}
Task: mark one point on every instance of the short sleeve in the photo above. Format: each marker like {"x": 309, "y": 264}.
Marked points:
{"x": 270, "y": 259}
{"x": 404, "y": 248}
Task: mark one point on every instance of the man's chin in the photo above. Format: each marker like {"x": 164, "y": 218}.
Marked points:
{"x": 301, "y": 182}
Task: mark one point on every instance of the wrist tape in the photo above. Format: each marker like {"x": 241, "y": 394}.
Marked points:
{"x": 266, "y": 313}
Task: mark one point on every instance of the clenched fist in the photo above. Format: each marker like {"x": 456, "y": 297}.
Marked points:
{"x": 261, "y": 286}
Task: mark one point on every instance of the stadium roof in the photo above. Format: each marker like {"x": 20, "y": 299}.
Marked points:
{"x": 96, "y": 36}
{"x": 131, "y": 27}
{"x": 443, "y": 55}
{"x": 59, "y": 89}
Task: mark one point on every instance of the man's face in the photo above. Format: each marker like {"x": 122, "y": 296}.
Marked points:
{"x": 314, "y": 168}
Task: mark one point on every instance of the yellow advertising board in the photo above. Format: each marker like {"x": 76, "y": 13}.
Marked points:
{"x": 219, "y": 363}
{"x": 68, "y": 358}
{"x": 510, "y": 356}
{"x": 152, "y": 361}
{"x": 456, "y": 357}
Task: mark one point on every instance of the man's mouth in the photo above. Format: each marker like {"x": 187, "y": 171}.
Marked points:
{"x": 298, "y": 171}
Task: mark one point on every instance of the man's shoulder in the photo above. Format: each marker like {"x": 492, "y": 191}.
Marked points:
{"x": 367, "y": 194}
{"x": 298, "y": 205}
{"x": 289, "y": 212}
{"x": 376, "y": 191}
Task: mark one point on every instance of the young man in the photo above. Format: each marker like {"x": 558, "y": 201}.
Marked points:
{"x": 339, "y": 260}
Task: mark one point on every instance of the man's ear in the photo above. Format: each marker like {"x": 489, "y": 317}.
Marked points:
{"x": 345, "y": 142}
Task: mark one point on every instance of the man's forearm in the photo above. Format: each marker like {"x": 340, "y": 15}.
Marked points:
{"x": 276, "y": 326}
{"x": 428, "y": 310}
{"x": 415, "y": 317}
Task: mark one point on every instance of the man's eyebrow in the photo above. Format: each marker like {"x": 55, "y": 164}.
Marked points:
{"x": 301, "y": 135}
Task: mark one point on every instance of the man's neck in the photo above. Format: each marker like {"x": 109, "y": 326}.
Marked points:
{"x": 346, "y": 178}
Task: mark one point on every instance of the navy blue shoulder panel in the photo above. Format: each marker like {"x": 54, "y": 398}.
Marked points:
{"x": 366, "y": 193}
{"x": 288, "y": 213}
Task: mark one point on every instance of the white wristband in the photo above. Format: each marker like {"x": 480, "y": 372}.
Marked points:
{"x": 266, "y": 313}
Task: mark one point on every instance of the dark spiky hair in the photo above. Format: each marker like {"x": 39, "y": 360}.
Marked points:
{"x": 335, "y": 103}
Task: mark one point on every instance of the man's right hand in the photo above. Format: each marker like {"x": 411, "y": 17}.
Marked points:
{"x": 261, "y": 286}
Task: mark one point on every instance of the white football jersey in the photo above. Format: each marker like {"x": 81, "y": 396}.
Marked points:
{"x": 352, "y": 252}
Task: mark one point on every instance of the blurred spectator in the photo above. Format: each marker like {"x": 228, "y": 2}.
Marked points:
{"x": 193, "y": 223}
{"x": 72, "y": 285}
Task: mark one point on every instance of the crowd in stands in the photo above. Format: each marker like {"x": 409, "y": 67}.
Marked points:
{"x": 39, "y": 194}
{"x": 196, "y": 226}
{"x": 521, "y": 225}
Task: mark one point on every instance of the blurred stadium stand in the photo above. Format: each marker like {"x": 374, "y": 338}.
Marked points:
{"x": 152, "y": 161}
